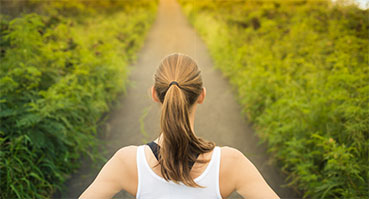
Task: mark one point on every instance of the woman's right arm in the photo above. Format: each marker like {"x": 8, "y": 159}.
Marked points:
{"x": 248, "y": 181}
{"x": 116, "y": 175}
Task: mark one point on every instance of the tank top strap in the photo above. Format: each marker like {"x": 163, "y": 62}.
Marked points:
{"x": 155, "y": 148}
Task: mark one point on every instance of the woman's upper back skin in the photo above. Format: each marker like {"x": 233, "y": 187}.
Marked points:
{"x": 236, "y": 172}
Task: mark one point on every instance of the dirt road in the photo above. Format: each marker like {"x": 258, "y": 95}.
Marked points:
{"x": 219, "y": 119}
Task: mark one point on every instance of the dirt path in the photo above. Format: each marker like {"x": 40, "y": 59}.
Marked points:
{"x": 219, "y": 119}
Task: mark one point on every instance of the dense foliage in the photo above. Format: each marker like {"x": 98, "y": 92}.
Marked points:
{"x": 60, "y": 70}
{"x": 302, "y": 76}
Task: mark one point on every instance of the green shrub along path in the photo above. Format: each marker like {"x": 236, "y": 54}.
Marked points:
{"x": 60, "y": 70}
{"x": 136, "y": 120}
{"x": 302, "y": 77}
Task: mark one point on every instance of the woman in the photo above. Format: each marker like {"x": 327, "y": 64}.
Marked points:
{"x": 178, "y": 164}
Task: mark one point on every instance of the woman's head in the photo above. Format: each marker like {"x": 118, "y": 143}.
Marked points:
{"x": 182, "y": 69}
{"x": 179, "y": 145}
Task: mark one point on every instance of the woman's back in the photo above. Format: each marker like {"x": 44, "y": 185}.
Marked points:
{"x": 236, "y": 173}
{"x": 151, "y": 183}
{"x": 229, "y": 163}
{"x": 178, "y": 88}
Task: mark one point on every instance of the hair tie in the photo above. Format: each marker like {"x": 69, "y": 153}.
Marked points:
{"x": 174, "y": 82}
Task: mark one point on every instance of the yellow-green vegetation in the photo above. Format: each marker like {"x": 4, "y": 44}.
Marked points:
{"x": 60, "y": 70}
{"x": 302, "y": 76}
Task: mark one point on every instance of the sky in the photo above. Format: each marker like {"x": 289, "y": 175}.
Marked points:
{"x": 363, "y": 4}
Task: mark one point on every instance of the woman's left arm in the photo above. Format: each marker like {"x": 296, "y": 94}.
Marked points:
{"x": 113, "y": 176}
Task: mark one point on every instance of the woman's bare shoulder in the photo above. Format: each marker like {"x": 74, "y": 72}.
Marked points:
{"x": 233, "y": 159}
{"x": 118, "y": 173}
{"x": 230, "y": 153}
{"x": 248, "y": 181}
{"x": 127, "y": 152}
{"x": 128, "y": 166}
{"x": 127, "y": 157}
{"x": 230, "y": 160}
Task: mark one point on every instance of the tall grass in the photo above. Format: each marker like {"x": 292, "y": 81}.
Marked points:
{"x": 302, "y": 76}
{"x": 60, "y": 69}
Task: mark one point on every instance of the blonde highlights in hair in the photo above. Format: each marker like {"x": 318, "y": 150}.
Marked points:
{"x": 180, "y": 145}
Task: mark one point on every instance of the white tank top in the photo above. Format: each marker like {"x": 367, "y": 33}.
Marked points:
{"x": 151, "y": 185}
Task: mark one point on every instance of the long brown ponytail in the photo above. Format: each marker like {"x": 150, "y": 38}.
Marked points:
{"x": 180, "y": 145}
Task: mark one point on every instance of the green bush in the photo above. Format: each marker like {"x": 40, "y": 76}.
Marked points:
{"x": 58, "y": 75}
{"x": 302, "y": 76}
